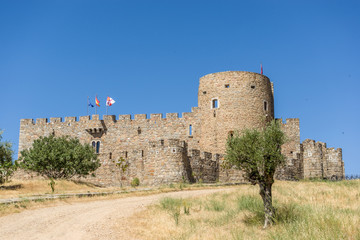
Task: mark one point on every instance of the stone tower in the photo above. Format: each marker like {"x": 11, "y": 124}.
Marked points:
{"x": 230, "y": 101}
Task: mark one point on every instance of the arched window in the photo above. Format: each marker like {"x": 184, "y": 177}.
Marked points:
{"x": 98, "y": 147}
{"x": 93, "y": 144}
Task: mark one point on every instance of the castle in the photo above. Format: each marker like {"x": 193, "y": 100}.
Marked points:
{"x": 162, "y": 150}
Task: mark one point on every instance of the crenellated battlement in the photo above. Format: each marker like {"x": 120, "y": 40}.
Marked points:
{"x": 110, "y": 118}
{"x": 288, "y": 121}
{"x": 167, "y": 143}
{"x": 320, "y": 161}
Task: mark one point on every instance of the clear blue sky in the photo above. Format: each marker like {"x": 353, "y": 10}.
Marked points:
{"x": 149, "y": 55}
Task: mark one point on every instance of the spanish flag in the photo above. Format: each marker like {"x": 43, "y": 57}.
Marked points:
{"x": 97, "y": 102}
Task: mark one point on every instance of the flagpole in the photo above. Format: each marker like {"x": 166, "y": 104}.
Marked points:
{"x": 107, "y": 105}
{"x": 87, "y": 106}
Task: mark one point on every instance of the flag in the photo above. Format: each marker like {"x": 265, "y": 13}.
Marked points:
{"x": 90, "y": 105}
{"x": 97, "y": 102}
{"x": 109, "y": 101}
{"x": 261, "y": 69}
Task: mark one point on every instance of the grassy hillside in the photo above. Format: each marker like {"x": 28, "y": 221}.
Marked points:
{"x": 305, "y": 210}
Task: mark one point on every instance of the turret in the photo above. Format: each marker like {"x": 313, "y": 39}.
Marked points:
{"x": 231, "y": 101}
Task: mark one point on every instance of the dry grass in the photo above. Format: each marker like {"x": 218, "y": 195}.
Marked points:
{"x": 16, "y": 188}
{"x": 305, "y": 210}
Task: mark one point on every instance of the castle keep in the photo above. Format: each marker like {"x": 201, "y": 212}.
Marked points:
{"x": 165, "y": 149}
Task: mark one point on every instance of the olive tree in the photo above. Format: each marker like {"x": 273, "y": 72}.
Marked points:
{"x": 258, "y": 154}
{"x": 7, "y": 167}
{"x": 59, "y": 157}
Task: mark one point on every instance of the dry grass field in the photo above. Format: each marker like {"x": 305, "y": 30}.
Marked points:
{"x": 305, "y": 210}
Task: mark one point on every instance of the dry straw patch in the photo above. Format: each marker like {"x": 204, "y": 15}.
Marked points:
{"x": 18, "y": 188}
{"x": 306, "y": 210}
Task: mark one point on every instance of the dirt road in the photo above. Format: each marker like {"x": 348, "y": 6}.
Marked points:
{"x": 82, "y": 220}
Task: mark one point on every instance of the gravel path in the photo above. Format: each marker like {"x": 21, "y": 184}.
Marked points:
{"x": 84, "y": 220}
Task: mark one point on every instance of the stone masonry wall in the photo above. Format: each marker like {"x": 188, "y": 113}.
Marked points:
{"x": 244, "y": 100}
{"x": 322, "y": 162}
{"x": 291, "y": 150}
{"x": 204, "y": 166}
{"x": 125, "y": 137}
{"x": 334, "y": 166}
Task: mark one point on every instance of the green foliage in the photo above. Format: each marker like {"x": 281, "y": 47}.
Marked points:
{"x": 135, "y": 182}
{"x": 186, "y": 208}
{"x": 52, "y": 185}
{"x": 7, "y": 167}
{"x": 172, "y": 206}
{"x": 123, "y": 165}
{"x": 169, "y": 203}
{"x": 215, "y": 204}
{"x": 257, "y": 153}
{"x": 59, "y": 157}
{"x": 250, "y": 203}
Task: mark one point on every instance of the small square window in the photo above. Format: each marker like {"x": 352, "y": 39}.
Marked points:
{"x": 204, "y": 92}
{"x": 215, "y": 103}
{"x": 227, "y": 85}
{"x": 252, "y": 86}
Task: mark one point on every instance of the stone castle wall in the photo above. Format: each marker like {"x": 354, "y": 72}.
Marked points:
{"x": 322, "y": 162}
{"x": 291, "y": 150}
{"x": 162, "y": 150}
{"x": 124, "y": 137}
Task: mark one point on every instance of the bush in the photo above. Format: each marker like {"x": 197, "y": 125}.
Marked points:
{"x": 59, "y": 157}
{"x": 172, "y": 206}
{"x": 135, "y": 182}
{"x": 7, "y": 167}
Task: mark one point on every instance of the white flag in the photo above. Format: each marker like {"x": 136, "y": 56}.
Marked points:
{"x": 109, "y": 101}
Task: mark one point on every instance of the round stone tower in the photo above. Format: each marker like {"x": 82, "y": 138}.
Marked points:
{"x": 231, "y": 101}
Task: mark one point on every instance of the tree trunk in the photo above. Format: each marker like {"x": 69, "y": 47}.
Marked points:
{"x": 265, "y": 192}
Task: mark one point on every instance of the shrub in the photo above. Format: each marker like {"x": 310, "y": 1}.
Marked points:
{"x": 59, "y": 157}
{"x": 135, "y": 182}
{"x": 7, "y": 167}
